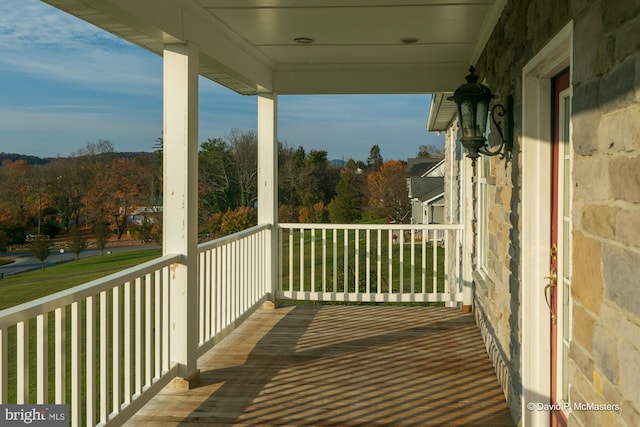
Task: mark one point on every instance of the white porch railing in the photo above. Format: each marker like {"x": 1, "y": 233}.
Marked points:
{"x": 232, "y": 283}
{"x": 104, "y": 347}
{"x": 371, "y": 263}
{"x": 109, "y": 341}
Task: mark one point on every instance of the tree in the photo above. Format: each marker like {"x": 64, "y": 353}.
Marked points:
{"x": 216, "y": 177}
{"x": 319, "y": 179}
{"x": 78, "y": 242}
{"x": 101, "y": 232}
{"x": 117, "y": 190}
{"x": 388, "y": 195}
{"x": 348, "y": 204}
{"x": 40, "y": 250}
{"x": 429, "y": 152}
{"x": 290, "y": 171}
{"x": 374, "y": 162}
{"x": 244, "y": 151}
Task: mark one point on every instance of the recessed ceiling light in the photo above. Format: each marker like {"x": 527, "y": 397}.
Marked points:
{"x": 409, "y": 40}
{"x": 303, "y": 40}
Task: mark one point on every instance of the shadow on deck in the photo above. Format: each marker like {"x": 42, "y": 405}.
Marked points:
{"x": 341, "y": 366}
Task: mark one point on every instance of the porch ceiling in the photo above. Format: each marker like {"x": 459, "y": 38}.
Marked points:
{"x": 248, "y": 45}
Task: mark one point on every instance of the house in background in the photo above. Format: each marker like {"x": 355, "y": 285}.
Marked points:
{"x": 426, "y": 190}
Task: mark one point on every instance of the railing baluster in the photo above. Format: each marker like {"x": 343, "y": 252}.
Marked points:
{"x": 90, "y": 402}
{"x": 116, "y": 352}
{"x": 335, "y": 260}
{"x": 379, "y": 263}
{"x": 390, "y": 261}
{"x": 104, "y": 357}
{"x": 301, "y": 259}
{"x": 324, "y": 260}
{"x": 42, "y": 353}
{"x": 401, "y": 263}
{"x": 356, "y": 266}
{"x": 313, "y": 260}
{"x": 147, "y": 330}
{"x": 345, "y": 261}
{"x": 138, "y": 336}
{"x": 413, "y": 261}
{"x": 127, "y": 343}
{"x": 201, "y": 299}
{"x": 423, "y": 242}
{"x": 22, "y": 365}
{"x": 158, "y": 324}
{"x": 75, "y": 364}
{"x": 434, "y": 245}
{"x": 166, "y": 319}
{"x": 60, "y": 337}
{"x": 4, "y": 366}
{"x": 368, "y": 262}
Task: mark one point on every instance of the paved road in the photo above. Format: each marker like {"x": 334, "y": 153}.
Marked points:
{"x": 25, "y": 262}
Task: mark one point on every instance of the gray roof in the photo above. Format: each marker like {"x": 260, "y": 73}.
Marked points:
{"x": 418, "y": 166}
{"x": 425, "y": 188}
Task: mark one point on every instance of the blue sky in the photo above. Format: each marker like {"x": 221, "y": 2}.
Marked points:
{"x": 65, "y": 83}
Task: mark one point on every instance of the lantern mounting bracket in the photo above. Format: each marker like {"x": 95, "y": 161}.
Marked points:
{"x": 472, "y": 100}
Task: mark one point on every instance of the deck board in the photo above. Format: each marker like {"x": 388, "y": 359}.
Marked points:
{"x": 341, "y": 366}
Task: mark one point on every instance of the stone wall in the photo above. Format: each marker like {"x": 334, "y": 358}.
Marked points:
{"x": 605, "y": 348}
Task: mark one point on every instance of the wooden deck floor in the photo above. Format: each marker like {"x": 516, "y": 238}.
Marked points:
{"x": 341, "y": 366}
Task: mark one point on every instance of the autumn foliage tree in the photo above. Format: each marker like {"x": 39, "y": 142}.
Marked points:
{"x": 388, "y": 194}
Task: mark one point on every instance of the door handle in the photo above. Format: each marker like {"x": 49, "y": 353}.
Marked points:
{"x": 553, "y": 277}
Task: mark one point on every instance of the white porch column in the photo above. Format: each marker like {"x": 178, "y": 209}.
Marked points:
{"x": 180, "y": 228}
{"x": 268, "y": 182}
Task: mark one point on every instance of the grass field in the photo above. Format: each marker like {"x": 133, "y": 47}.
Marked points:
{"x": 31, "y": 285}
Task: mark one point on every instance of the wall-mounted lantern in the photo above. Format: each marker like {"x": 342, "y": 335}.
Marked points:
{"x": 472, "y": 100}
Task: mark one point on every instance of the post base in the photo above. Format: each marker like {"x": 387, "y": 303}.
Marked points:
{"x": 466, "y": 308}
{"x": 184, "y": 384}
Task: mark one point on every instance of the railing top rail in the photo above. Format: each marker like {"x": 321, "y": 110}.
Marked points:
{"x": 28, "y": 310}
{"x": 372, "y": 226}
{"x": 232, "y": 237}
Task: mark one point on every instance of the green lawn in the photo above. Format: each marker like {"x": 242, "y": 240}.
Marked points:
{"x": 28, "y": 286}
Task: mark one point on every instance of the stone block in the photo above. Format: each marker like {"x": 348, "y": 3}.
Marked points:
{"x": 621, "y": 268}
{"x": 624, "y": 178}
{"x": 586, "y": 285}
{"x": 630, "y": 413}
{"x": 587, "y": 33}
{"x": 586, "y": 98}
{"x": 627, "y": 40}
{"x": 619, "y": 131}
{"x": 616, "y": 12}
{"x": 604, "y": 58}
{"x": 600, "y": 220}
{"x": 586, "y": 187}
{"x": 583, "y": 324}
{"x": 627, "y": 327}
{"x": 630, "y": 371}
{"x": 618, "y": 88}
{"x": 605, "y": 352}
{"x": 628, "y": 227}
{"x": 580, "y": 359}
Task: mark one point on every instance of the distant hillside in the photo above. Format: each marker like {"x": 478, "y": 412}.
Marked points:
{"x": 32, "y": 160}
{"x": 35, "y": 160}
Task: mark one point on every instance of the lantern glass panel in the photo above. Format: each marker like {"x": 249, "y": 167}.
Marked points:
{"x": 466, "y": 118}
{"x": 481, "y": 118}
